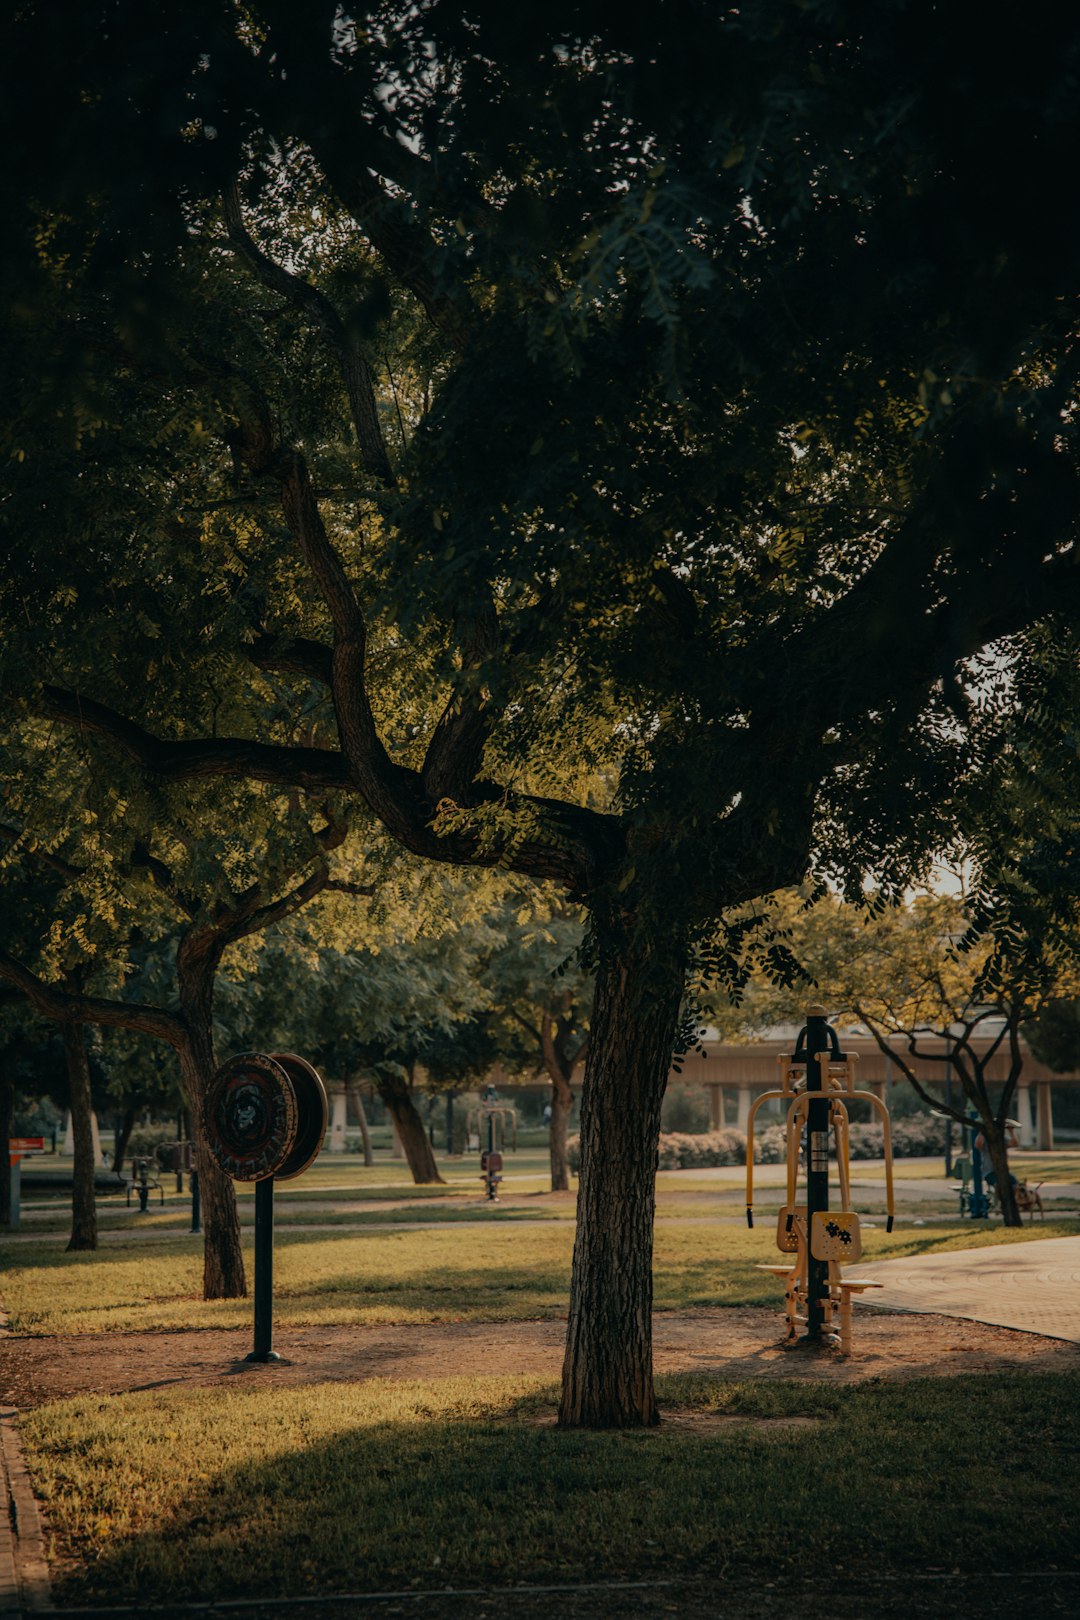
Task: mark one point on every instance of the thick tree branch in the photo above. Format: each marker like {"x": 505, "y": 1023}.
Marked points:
{"x": 405, "y": 247}
{"x": 66, "y": 1006}
{"x": 299, "y": 656}
{"x": 250, "y": 912}
{"x": 355, "y": 371}
{"x": 455, "y": 753}
{"x": 316, "y": 769}
{"x": 904, "y": 1066}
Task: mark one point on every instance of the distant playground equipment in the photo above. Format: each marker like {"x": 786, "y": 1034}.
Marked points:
{"x": 492, "y": 1118}
{"x": 265, "y": 1120}
{"x": 19, "y": 1148}
{"x": 818, "y": 1082}
{"x": 143, "y": 1182}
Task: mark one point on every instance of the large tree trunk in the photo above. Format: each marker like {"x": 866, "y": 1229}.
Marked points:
{"x": 354, "y": 1095}
{"x": 394, "y": 1091}
{"x": 83, "y": 1207}
{"x": 607, "y": 1371}
{"x": 223, "y": 1256}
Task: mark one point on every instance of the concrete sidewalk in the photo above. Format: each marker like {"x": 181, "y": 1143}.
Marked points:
{"x": 1032, "y": 1286}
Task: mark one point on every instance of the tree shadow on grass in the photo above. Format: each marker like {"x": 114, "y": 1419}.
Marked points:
{"x": 382, "y": 1487}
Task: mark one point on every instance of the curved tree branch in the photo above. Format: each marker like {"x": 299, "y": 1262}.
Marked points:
{"x": 66, "y": 1006}
{"x": 316, "y": 769}
{"x": 355, "y": 371}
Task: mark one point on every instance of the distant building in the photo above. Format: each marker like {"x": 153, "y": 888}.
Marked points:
{"x": 747, "y": 1068}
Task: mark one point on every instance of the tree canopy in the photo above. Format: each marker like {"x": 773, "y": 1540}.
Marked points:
{"x": 602, "y": 441}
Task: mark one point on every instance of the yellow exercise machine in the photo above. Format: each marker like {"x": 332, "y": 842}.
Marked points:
{"x": 818, "y": 1082}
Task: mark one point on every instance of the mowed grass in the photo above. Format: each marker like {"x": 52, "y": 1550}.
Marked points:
{"x": 493, "y": 1272}
{"x": 214, "y": 1494}
{"x": 1059, "y": 1166}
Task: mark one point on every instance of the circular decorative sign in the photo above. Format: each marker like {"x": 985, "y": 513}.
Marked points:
{"x": 314, "y": 1114}
{"x": 252, "y": 1117}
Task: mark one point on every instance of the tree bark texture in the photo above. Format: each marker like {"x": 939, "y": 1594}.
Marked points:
{"x": 83, "y": 1206}
{"x": 223, "y": 1255}
{"x": 607, "y": 1370}
{"x": 394, "y": 1091}
{"x": 355, "y": 1096}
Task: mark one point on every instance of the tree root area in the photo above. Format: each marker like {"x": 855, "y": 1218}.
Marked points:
{"x": 729, "y": 1343}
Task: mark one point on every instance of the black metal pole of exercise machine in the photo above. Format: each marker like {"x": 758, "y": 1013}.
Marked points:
{"x": 817, "y": 1163}
{"x": 264, "y": 1272}
{"x": 491, "y": 1150}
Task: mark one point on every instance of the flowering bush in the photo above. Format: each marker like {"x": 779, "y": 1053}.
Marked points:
{"x": 915, "y": 1135}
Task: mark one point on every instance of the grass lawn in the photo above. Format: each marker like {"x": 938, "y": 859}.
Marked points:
{"x": 377, "y": 1485}
{"x": 500, "y": 1271}
{"x": 1063, "y": 1165}
{"x": 216, "y": 1492}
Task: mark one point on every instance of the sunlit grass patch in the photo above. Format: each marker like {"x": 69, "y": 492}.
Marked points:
{"x": 381, "y": 1485}
{"x": 496, "y": 1271}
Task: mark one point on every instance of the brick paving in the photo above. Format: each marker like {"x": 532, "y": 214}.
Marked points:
{"x": 1033, "y": 1286}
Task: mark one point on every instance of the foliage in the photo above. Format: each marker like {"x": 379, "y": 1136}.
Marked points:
{"x": 610, "y": 464}
{"x": 1054, "y": 1036}
{"x": 638, "y": 445}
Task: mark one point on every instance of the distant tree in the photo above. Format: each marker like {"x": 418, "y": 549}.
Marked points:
{"x": 70, "y": 919}
{"x": 381, "y": 1010}
{"x": 540, "y": 1009}
{"x": 925, "y": 971}
{"x": 1054, "y": 1036}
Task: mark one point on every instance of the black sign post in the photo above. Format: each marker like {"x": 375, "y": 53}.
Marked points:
{"x": 264, "y": 1273}
{"x": 817, "y": 1046}
{"x": 266, "y": 1118}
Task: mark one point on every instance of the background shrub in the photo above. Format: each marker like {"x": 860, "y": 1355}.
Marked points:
{"x": 911, "y": 1137}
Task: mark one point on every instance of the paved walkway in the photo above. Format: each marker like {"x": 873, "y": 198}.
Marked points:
{"x": 1031, "y": 1286}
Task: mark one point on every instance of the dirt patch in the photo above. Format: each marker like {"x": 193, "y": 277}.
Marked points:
{"x": 725, "y": 1343}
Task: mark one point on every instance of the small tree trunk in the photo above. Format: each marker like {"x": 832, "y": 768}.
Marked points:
{"x": 562, "y": 1100}
{"x": 7, "y": 1116}
{"x": 123, "y": 1135}
{"x": 83, "y": 1206}
{"x": 394, "y": 1091}
{"x": 355, "y": 1096}
{"x": 998, "y": 1149}
{"x": 223, "y": 1256}
{"x": 607, "y": 1370}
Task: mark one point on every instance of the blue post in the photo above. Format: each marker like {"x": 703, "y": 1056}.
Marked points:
{"x": 979, "y": 1203}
